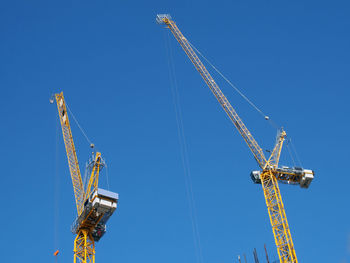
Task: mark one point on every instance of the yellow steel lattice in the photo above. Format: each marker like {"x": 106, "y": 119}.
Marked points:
{"x": 272, "y": 194}
{"x": 278, "y": 218}
{"x": 71, "y": 153}
{"x": 84, "y": 248}
{"x": 232, "y": 114}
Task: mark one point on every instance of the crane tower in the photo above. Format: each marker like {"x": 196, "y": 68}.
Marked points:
{"x": 94, "y": 205}
{"x": 270, "y": 172}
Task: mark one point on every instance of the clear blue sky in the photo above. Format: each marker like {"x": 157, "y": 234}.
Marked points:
{"x": 109, "y": 57}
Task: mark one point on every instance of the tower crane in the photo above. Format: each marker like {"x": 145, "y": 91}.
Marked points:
{"x": 94, "y": 205}
{"x": 270, "y": 172}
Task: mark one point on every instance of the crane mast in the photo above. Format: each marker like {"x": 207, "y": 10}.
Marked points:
{"x": 270, "y": 171}
{"x": 94, "y": 205}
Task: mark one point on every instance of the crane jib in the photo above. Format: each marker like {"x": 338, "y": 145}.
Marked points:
{"x": 71, "y": 153}
{"x": 268, "y": 176}
{"x": 243, "y": 130}
{"x": 94, "y": 205}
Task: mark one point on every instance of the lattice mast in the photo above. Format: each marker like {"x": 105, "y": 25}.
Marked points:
{"x": 269, "y": 174}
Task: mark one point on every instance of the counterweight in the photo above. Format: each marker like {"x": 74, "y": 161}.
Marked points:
{"x": 270, "y": 172}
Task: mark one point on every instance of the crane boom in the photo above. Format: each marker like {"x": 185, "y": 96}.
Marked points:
{"x": 94, "y": 205}
{"x": 71, "y": 153}
{"x": 232, "y": 114}
{"x": 269, "y": 174}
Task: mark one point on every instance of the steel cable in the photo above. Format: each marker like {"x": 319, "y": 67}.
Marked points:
{"x": 81, "y": 129}
{"x": 184, "y": 151}
{"x": 272, "y": 123}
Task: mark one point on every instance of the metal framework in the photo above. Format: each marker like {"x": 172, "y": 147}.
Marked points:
{"x": 84, "y": 247}
{"x": 276, "y": 153}
{"x": 71, "y": 153}
{"x": 270, "y": 174}
{"x": 93, "y": 181}
{"x": 84, "y": 243}
{"x": 278, "y": 218}
{"x": 243, "y": 130}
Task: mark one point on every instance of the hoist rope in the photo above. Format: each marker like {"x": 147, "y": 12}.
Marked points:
{"x": 293, "y": 153}
{"x": 107, "y": 178}
{"x": 81, "y": 129}
{"x": 184, "y": 152}
{"x": 228, "y": 81}
{"x": 235, "y": 88}
{"x": 56, "y": 189}
{"x": 290, "y": 153}
{"x": 296, "y": 153}
{"x": 86, "y": 176}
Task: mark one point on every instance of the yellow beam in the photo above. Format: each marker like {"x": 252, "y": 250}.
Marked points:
{"x": 71, "y": 152}
{"x": 272, "y": 194}
{"x": 278, "y": 218}
{"x": 84, "y": 247}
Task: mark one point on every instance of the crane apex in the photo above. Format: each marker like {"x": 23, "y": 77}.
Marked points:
{"x": 162, "y": 17}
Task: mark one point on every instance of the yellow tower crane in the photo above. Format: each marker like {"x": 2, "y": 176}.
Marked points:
{"x": 270, "y": 172}
{"x": 94, "y": 205}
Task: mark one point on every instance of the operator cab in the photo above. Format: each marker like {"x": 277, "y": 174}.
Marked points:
{"x": 98, "y": 208}
{"x": 256, "y": 177}
{"x": 289, "y": 175}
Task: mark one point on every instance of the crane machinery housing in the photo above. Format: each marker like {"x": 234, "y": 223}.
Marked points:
{"x": 94, "y": 205}
{"x": 270, "y": 173}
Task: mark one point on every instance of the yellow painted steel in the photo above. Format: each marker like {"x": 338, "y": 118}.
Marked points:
{"x": 84, "y": 245}
{"x": 273, "y": 161}
{"x": 71, "y": 153}
{"x": 93, "y": 181}
{"x": 243, "y": 130}
{"x": 278, "y": 219}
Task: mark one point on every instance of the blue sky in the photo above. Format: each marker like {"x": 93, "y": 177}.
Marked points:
{"x": 110, "y": 59}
